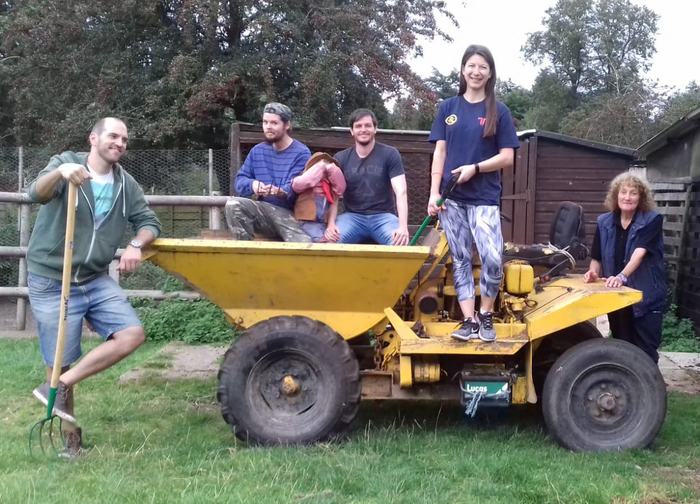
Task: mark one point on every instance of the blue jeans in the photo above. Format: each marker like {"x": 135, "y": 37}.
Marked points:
{"x": 355, "y": 227}
{"x": 100, "y": 301}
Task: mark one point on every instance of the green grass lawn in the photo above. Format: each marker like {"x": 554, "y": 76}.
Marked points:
{"x": 155, "y": 441}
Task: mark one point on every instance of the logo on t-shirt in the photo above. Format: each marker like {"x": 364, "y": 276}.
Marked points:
{"x": 451, "y": 120}
{"x": 482, "y": 121}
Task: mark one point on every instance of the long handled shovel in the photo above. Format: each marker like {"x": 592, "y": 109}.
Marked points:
{"x": 445, "y": 193}
{"x": 45, "y": 428}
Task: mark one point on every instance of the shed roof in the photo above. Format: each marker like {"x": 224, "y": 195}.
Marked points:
{"x": 522, "y": 135}
{"x": 616, "y": 149}
{"x": 685, "y": 124}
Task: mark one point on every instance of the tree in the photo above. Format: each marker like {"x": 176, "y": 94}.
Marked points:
{"x": 516, "y": 98}
{"x": 444, "y": 86}
{"x": 413, "y": 112}
{"x": 679, "y": 104}
{"x": 180, "y": 72}
{"x": 594, "y": 46}
{"x": 551, "y": 101}
{"x": 624, "y": 118}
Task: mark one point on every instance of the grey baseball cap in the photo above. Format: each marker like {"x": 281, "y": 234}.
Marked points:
{"x": 280, "y": 109}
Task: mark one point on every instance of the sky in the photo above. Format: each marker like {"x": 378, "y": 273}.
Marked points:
{"x": 675, "y": 63}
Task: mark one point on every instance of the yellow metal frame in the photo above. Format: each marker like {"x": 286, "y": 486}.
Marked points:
{"x": 569, "y": 301}
{"x": 352, "y": 288}
{"x": 346, "y": 287}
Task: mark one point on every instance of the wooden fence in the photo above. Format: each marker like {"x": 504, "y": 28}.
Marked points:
{"x": 679, "y": 202}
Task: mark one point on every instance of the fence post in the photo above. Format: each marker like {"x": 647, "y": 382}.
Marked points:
{"x": 20, "y": 176}
{"x": 114, "y": 270}
{"x": 24, "y": 219}
{"x": 215, "y": 214}
{"x": 235, "y": 150}
{"x": 211, "y": 171}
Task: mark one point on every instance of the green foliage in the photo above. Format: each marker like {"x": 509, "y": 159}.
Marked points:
{"x": 595, "y": 45}
{"x": 623, "y": 118}
{"x": 517, "y": 99}
{"x": 679, "y": 104}
{"x": 182, "y": 320}
{"x": 444, "y": 86}
{"x": 148, "y": 276}
{"x": 678, "y": 335}
{"x": 550, "y": 101}
{"x": 180, "y": 72}
{"x": 9, "y": 237}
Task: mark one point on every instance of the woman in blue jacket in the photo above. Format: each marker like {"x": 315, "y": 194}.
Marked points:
{"x": 628, "y": 250}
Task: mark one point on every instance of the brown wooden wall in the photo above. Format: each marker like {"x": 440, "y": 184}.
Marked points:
{"x": 546, "y": 172}
{"x": 416, "y": 153}
{"x": 679, "y": 203}
{"x": 569, "y": 172}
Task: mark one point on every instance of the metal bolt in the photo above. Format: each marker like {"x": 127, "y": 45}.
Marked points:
{"x": 590, "y": 397}
{"x": 603, "y": 386}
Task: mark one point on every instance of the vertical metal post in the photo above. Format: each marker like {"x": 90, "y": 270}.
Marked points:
{"x": 215, "y": 214}
{"x": 114, "y": 270}
{"x": 235, "y": 162}
{"x": 211, "y": 171}
{"x": 24, "y": 212}
{"x": 20, "y": 180}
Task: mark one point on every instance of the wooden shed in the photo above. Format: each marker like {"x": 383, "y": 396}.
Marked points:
{"x": 550, "y": 168}
{"x": 562, "y": 168}
{"x": 673, "y": 167}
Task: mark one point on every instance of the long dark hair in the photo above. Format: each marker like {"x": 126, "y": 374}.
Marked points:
{"x": 491, "y": 109}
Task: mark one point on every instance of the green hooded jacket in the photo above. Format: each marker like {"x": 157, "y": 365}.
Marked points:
{"x": 93, "y": 249}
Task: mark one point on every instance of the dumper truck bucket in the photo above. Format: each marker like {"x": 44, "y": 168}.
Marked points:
{"x": 346, "y": 287}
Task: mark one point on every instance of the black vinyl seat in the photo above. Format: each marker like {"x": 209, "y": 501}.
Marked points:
{"x": 567, "y": 235}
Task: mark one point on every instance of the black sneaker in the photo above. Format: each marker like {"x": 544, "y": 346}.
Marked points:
{"x": 486, "y": 330}
{"x": 469, "y": 329}
{"x": 60, "y": 405}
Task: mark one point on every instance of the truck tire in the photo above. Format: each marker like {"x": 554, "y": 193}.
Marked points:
{"x": 289, "y": 380}
{"x": 604, "y": 394}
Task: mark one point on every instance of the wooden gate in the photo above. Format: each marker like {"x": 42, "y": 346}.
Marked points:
{"x": 518, "y": 196}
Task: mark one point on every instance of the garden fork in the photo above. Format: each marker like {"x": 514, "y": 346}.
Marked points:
{"x": 43, "y": 432}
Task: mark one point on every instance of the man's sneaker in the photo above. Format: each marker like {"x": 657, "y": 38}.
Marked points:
{"x": 486, "y": 330}
{"x": 60, "y": 405}
{"x": 469, "y": 329}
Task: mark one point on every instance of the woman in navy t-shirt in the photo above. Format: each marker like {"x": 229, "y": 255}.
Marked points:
{"x": 474, "y": 138}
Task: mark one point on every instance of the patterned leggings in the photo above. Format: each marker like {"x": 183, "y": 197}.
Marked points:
{"x": 464, "y": 224}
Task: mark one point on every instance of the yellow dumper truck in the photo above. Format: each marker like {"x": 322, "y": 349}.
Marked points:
{"x": 327, "y": 325}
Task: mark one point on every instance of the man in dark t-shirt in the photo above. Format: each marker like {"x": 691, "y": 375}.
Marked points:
{"x": 376, "y": 189}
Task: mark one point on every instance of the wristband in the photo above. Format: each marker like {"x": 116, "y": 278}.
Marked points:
{"x": 477, "y": 170}
{"x": 623, "y": 278}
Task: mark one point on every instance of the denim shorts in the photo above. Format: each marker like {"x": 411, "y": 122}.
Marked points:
{"x": 100, "y": 301}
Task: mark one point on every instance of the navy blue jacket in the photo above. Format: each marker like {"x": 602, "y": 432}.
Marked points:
{"x": 649, "y": 277}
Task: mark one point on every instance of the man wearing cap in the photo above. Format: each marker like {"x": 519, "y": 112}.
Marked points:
{"x": 267, "y": 173}
{"x": 376, "y": 189}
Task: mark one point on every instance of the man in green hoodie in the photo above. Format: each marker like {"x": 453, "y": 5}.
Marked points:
{"x": 108, "y": 199}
